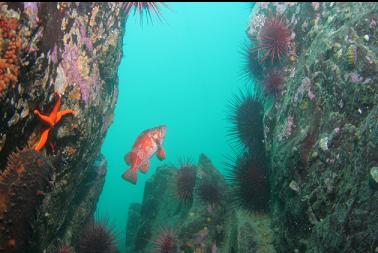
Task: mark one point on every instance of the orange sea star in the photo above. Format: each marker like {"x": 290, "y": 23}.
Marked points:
{"x": 54, "y": 117}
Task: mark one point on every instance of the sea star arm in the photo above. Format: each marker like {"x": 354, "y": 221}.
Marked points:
{"x": 42, "y": 141}
{"x": 63, "y": 113}
{"x": 55, "y": 110}
{"x": 44, "y": 118}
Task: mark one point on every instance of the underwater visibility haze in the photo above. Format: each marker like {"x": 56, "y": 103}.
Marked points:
{"x": 183, "y": 127}
{"x": 178, "y": 73}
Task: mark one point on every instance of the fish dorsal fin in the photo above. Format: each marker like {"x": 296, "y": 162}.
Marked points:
{"x": 128, "y": 158}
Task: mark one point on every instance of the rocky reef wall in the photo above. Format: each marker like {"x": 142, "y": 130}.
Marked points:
{"x": 321, "y": 129}
{"x": 58, "y": 89}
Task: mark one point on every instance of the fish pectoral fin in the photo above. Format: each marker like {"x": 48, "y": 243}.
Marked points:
{"x": 127, "y": 158}
{"x": 145, "y": 166}
{"x": 161, "y": 153}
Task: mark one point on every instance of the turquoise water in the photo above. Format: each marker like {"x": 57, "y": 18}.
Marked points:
{"x": 179, "y": 72}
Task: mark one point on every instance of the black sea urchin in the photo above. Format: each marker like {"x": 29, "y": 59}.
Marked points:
{"x": 246, "y": 114}
{"x": 185, "y": 181}
{"x": 209, "y": 192}
{"x": 249, "y": 183}
{"x": 252, "y": 69}
{"x": 166, "y": 242}
{"x": 97, "y": 238}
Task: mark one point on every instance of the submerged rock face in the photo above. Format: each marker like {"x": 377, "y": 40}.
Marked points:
{"x": 195, "y": 225}
{"x": 132, "y": 225}
{"x": 206, "y": 223}
{"x": 47, "y": 51}
{"x": 321, "y": 131}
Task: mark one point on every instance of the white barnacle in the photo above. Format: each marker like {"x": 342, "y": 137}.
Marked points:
{"x": 294, "y": 186}
{"x": 374, "y": 174}
{"x": 323, "y": 143}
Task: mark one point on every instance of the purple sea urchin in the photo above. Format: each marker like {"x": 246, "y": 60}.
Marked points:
{"x": 246, "y": 118}
{"x": 274, "y": 39}
{"x": 274, "y": 81}
{"x": 143, "y": 8}
{"x": 249, "y": 183}
{"x": 97, "y": 238}
{"x": 166, "y": 242}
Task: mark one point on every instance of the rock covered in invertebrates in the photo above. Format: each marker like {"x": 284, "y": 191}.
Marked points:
{"x": 321, "y": 172}
{"x": 22, "y": 186}
{"x": 73, "y": 49}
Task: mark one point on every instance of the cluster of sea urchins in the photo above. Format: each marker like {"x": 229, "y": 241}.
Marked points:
{"x": 246, "y": 117}
{"x": 249, "y": 183}
{"x": 166, "y": 242}
{"x": 185, "y": 181}
{"x": 271, "y": 43}
{"x": 97, "y": 238}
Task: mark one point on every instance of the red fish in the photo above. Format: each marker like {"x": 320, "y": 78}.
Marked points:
{"x": 147, "y": 144}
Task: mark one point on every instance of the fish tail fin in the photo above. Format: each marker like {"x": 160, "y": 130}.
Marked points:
{"x": 131, "y": 175}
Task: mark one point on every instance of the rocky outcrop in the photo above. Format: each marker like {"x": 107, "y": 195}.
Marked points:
{"x": 133, "y": 221}
{"x": 197, "y": 225}
{"x": 52, "y": 53}
{"x": 321, "y": 130}
{"x": 248, "y": 232}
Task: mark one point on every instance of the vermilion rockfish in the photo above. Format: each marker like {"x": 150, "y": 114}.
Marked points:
{"x": 147, "y": 144}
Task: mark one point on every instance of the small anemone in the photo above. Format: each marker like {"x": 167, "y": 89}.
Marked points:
{"x": 97, "y": 238}
{"x": 185, "y": 181}
{"x": 274, "y": 81}
{"x": 166, "y": 242}
{"x": 209, "y": 192}
{"x": 249, "y": 183}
